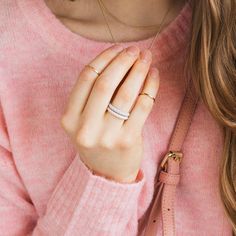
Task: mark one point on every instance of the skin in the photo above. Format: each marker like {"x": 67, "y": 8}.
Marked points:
{"x": 109, "y": 146}
{"x": 84, "y": 17}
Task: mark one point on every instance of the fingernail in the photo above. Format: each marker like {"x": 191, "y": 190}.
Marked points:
{"x": 146, "y": 56}
{"x": 133, "y": 50}
{"x": 154, "y": 73}
{"x": 117, "y": 47}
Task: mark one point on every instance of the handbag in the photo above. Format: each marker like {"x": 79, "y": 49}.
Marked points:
{"x": 168, "y": 174}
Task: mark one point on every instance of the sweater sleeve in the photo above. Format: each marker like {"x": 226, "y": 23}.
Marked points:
{"x": 82, "y": 203}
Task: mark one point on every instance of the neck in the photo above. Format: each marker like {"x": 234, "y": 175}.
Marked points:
{"x": 134, "y": 12}
{"x": 85, "y": 17}
{"x": 139, "y": 13}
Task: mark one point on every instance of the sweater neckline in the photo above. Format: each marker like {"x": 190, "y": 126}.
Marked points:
{"x": 52, "y": 30}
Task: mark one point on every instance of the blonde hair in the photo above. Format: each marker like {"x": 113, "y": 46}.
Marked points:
{"x": 212, "y": 64}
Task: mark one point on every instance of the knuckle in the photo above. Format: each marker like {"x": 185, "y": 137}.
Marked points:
{"x": 108, "y": 55}
{"x": 84, "y": 140}
{"x": 63, "y": 122}
{"x": 140, "y": 69}
{"x": 126, "y": 142}
{"x": 85, "y": 75}
{"x": 66, "y": 123}
{"x": 124, "y": 59}
{"x": 126, "y": 95}
{"x": 106, "y": 143}
{"x": 145, "y": 104}
{"x": 103, "y": 85}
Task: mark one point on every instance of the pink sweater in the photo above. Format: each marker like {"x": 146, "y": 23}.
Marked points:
{"x": 45, "y": 189}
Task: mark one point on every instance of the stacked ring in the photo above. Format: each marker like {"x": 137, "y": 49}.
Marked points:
{"x": 117, "y": 112}
{"x": 114, "y": 110}
{"x": 148, "y": 95}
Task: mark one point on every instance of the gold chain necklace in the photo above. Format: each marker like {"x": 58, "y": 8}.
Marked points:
{"x": 110, "y": 31}
{"x": 147, "y": 27}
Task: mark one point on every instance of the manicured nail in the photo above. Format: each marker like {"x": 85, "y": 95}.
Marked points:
{"x": 146, "y": 56}
{"x": 117, "y": 47}
{"x": 133, "y": 50}
{"x": 154, "y": 73}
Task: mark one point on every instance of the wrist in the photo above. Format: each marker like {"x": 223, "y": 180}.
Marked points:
{"x": 130, "y": 179}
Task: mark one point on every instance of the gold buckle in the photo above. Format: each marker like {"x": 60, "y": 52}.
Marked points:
{"x": 176, "y": 155}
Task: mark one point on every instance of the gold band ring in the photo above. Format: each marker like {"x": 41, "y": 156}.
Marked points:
{"x": 92, "y": 68}
{"x": 148, "y": 95}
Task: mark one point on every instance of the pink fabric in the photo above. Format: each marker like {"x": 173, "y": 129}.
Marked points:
{"x": 45, "y": 189}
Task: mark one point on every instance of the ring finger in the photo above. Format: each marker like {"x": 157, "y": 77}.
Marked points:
{"x": 82, "y": 88}
{"x": 144, "y": 103}
{"x": 128, "y": 91}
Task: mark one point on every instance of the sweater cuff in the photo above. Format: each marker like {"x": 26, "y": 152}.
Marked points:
{"x": 91, "y": 203}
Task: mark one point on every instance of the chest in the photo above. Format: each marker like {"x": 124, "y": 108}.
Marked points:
{"x": 37, "y": 97}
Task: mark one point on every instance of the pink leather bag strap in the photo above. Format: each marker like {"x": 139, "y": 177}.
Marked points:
{"x": 169, "y": 171}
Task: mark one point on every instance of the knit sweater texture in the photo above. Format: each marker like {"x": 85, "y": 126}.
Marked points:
{"x": 45, "y": 189}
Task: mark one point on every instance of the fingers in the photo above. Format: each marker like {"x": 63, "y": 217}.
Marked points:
{"x": 87, "y": 77}
{"x": 108, "y": 81}
{"x": 129, "y": 90}
{"x": 144, "y": 104}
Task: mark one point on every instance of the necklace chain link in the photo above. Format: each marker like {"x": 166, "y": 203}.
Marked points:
{"x": 146, "y": 27}
{"x": 103, "y": 9}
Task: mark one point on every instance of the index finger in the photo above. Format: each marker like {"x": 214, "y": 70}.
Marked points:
{"x": 87, "y": 77}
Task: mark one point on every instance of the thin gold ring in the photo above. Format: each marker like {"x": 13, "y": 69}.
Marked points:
{"x": 94, "y": 69}
{"x": 148, "y": 96}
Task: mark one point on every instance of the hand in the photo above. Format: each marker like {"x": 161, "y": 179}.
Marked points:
{"x": 109, "y": 146}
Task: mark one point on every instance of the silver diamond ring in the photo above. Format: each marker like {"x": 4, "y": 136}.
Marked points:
{"x": 117, "y": 112}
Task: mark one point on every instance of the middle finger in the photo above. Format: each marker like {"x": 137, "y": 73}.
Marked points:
{"x": 128, "y": 92}
{"x": 108, "y": 81}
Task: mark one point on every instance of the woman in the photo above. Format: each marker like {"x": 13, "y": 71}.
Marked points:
{"x": 71, "y": 166}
